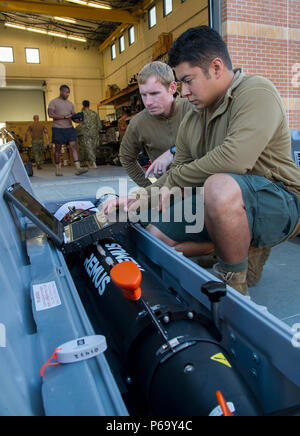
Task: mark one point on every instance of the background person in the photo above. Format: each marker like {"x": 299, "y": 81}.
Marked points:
{"x": 89, "y": 132}
{"x": 37, "y": 130}
{"x": 63, "y": 132}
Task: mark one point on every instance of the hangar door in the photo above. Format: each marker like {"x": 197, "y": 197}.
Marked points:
{"x": 20, "y": 102}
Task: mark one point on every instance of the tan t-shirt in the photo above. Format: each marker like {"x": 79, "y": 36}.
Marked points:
{"x": 37, "y": 130}
{"x": 63, "y": 108}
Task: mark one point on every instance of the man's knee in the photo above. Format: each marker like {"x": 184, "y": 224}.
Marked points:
{"x": 222, "y": 191}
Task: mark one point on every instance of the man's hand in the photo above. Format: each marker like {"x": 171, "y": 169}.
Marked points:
{"x": 160, "y": 165}
{"x": 118, "y": 203}
{"x": 135, "y": 204}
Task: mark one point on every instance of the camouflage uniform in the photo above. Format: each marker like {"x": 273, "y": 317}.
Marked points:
{"x": 38, "y": 150}
{"x": 80, "y": 140}
{"x": 88, "y": 138}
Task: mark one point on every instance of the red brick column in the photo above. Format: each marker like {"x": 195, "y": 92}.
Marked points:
{"x": 263, "y": 38}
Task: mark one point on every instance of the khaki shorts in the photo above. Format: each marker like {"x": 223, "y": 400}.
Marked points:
{"x": 273, "y": 213}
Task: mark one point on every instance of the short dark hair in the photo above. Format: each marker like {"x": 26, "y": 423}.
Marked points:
{"x": 86, "y": 103}
{"x": 199, "y": 46}
{"x": 64, "y": 87}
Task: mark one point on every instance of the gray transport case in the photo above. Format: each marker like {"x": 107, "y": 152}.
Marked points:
{"x": 260, "y": 344}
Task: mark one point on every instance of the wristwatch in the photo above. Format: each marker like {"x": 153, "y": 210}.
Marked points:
{"x": 173, "y": 150}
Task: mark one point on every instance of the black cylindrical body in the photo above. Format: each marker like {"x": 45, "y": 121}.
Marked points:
{"x": 177, "y": 378}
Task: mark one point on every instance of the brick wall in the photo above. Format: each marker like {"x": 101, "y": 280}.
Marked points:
{"x": 263, "y": 38}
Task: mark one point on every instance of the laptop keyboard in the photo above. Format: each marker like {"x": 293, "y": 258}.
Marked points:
{"x": 84, "y": 227}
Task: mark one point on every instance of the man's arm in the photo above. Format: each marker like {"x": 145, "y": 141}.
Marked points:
{"x": 160, "y": 165}
{"x": 27, "y": 133}
{"x": 254, "y": 120}
{"x": 54, "y": 116}
{"x": 129, "y": 151}
{"x": 182, "y": 157}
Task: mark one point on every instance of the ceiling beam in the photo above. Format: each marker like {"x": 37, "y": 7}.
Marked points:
{"x": 137, "y": 12}
{"x": 113, "y": 36}
{"x": 64, "y": 10}
{"x": 140, "y": 9}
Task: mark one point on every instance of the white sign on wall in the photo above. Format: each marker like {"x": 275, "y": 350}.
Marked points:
{"x": 2, "y": 76}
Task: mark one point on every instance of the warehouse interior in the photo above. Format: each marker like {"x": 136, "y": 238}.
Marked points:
{"x": 86, "y": 66}
{"x": 95, "y": 50}
{"x": 98, "y": 48}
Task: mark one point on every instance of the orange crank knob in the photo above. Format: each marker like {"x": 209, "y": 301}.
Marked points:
{"x": 128, "y": 277}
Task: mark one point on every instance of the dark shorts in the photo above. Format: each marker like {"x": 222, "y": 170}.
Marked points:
{"x": 63, "y": 136}
{"x": 273, "y": 213}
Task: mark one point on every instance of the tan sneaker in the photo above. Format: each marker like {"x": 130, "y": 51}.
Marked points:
{"x": 256, "y": 261}
{"x": 237, "y": 281}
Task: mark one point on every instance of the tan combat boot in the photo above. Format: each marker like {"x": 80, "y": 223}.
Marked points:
{"x": 256, "y": 260}
{"x": 237, "y": 281}
{"x": 79, "y": 170}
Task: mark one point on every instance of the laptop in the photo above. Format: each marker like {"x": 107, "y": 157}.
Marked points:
{"x": 71, "y": 238}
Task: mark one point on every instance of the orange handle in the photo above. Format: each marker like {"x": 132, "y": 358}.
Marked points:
{"x": 128, "y": 277}
{"x": 223, "y": 404}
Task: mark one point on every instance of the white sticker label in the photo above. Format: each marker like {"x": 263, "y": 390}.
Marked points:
{"x": 46, "y": 296}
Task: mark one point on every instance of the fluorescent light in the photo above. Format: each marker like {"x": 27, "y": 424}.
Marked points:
{"x": 44, "y": 32}
{"x": 59, "y": 35}
{"x": 66, "y": 20}
{"x": 15, "y": 26}
{"x": 33, "y": 29}
{"x": 91, "y": 4}
{"x": 98, "y": 5}
{"x": 79, "y": 2}
{"x": 77, "y": 38}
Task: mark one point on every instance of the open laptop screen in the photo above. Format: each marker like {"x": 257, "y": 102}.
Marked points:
{"x": 37, "y": 209}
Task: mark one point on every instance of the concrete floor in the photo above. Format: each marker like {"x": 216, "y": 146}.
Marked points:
{"x": 47, "y": 187}
{"x": 279, "y": 288}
